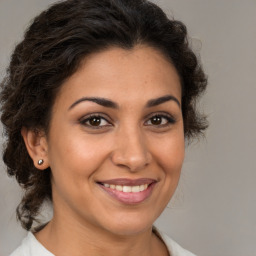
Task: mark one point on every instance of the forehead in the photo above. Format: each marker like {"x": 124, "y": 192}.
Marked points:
{"x": 126, "y": 75}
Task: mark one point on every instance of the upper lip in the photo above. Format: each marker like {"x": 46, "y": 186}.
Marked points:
{"x": 128, "y": 182}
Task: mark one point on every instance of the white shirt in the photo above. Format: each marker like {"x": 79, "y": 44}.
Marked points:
{"x": 30, "y": 246}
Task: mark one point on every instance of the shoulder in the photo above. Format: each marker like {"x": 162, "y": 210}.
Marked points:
{"x": 31, "y": 247}
{"x": 174, "y": 248}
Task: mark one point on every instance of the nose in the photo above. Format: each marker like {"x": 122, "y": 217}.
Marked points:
{"x": 131, "y": 151}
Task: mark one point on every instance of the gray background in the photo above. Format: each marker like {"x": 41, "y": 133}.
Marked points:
{"x": 213, "y": 213}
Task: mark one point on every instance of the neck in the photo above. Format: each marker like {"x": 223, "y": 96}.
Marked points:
{"x": 65, "y": 236}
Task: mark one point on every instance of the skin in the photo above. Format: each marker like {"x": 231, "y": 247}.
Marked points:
{"x": 127, "y": 143}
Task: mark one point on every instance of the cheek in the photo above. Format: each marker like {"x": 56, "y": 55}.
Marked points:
{"x": 77, "y": 156}
{"x": 170, "y": 154}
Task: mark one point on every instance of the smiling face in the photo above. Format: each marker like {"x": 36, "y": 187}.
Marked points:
{"x": 116, "y": 143}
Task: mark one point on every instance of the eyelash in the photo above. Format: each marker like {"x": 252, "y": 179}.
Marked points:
{"x": 85, "y": 120}
{"x": 169, "y": 120}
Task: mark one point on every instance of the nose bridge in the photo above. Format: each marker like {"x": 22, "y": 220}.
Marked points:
{"x": 131, "y": 149}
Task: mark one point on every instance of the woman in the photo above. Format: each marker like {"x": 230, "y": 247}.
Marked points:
{"x": 97, "y": 102}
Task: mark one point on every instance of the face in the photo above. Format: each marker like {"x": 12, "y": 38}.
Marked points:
{"x": 116, "y": 142}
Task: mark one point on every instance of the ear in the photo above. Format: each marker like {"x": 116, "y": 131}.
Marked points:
{"x": 37, "y": 147}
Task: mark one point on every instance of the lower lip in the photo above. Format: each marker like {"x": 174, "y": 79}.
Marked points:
{"x": 129, "y": 198}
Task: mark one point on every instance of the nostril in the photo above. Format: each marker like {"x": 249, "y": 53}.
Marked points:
{"x": 131, "y": 153}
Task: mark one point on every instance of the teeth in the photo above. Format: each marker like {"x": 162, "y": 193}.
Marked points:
{"x": 127, "y": 189}
{"x": 136, "y": 189}
{"x": 119, "y": 188}
{"x": 143, "y": 187}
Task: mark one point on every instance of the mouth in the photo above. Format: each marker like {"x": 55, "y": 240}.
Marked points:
{"x": 128, "y": 191}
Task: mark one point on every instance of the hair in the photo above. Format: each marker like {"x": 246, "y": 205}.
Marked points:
{"x": 52, "y": 49}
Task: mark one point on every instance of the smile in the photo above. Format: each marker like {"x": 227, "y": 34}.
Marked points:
{"x": 128, "y": 191}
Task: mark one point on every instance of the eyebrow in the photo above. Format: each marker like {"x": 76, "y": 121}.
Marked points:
{"x": 101, "y": 101}
{"x": 163, "y": 99}
{"x": 110, "y": 104}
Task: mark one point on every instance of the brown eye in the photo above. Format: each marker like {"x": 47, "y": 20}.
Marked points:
{"x": 160, "y": 120}
{"x": 95, "y": 121}
{"x": 156, "y": 120}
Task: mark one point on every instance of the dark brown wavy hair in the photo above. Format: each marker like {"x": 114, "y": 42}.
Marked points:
{"x": 52, "y": 49}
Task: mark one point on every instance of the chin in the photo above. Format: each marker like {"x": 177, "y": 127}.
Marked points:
{"x": 130, "y": 226}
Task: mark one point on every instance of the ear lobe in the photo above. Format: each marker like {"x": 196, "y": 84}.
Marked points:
{"x": 37, "y": 147}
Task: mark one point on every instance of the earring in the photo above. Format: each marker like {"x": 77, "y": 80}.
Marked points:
{"x": 40, "y": 162}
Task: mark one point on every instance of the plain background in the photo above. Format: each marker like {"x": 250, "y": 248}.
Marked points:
{"x": 213, "y": 213}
